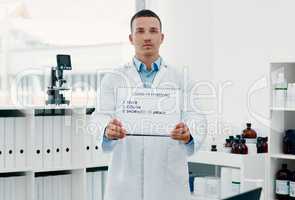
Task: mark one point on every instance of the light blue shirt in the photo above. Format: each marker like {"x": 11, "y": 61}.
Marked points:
{"x": 147, "y": 77}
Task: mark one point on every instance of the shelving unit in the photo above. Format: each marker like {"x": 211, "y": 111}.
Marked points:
{"x": 55, "y": 143}
{"x": 84, "y": 155}
{"x": 251, "y": 166}
{"x": 282, "y": 118}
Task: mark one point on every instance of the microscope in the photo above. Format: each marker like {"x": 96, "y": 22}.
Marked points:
{"x": 56, "y": 89}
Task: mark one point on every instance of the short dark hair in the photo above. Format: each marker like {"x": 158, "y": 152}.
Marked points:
{"x": 145, "y": 13}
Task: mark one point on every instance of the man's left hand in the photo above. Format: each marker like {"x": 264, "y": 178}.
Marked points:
{"x": 181, "y": 132}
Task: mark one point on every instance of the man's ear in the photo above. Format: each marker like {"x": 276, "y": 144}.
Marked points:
{"x": 162, "y": 37}
{"x": 130, "y": 39}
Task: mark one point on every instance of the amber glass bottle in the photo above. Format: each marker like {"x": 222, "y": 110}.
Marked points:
{"x": 249, "y": 132}
{"x": 265, "y": 144}
{"x": 282, "y": 183}
{"x": 244, "y": 148}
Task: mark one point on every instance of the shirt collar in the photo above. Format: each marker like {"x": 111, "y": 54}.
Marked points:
{"x": 140, "y": 65}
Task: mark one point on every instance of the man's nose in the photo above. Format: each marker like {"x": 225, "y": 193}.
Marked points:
{"x": 147, "y": 36}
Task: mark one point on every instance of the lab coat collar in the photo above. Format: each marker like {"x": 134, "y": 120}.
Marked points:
{"x": 133, "y": 74}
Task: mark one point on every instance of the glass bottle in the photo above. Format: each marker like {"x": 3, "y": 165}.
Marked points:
{"x": 265, "y": 145}
{"x": 259, "y": 145}
{"x": 244, "y": 148}
{"x": 292, "y": 186}
{"x": 282, "y": 183}
{"x": 213, "y": 147}
{"x": 227, "y": 146}
{"x": 231, "y": 138}
{"x": 249, "y": 132}
{"x": 235, "y": 147}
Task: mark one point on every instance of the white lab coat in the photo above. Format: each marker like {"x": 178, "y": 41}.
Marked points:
{"x": 145, "y": 168}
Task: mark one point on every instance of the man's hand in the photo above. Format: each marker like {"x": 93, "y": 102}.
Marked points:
{"x": 115, "y": 130}
{"x": 181, "y": 133}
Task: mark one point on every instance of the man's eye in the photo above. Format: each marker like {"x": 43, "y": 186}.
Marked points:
{"x": 140, "y": 31}
{"x": 154, "y": 31}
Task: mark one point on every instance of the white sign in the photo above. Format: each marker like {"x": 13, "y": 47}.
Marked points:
{"x": 148, "y": 111}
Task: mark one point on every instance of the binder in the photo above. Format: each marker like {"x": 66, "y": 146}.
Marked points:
{"x": 2, "y": 188}
{"x": 48, "y": 142}
{"x": 39, "y": 188}
{"x": 57, "y": 138}
{"x": 66, "y": 140}
{"x": 97, "y": 186}
{"x": 66, "y": 187}
{"x": 57, "y": 190}
{"x": 9, "y": 188}
{"x": 38, "y": 143}
{"x": 20, "y": 188}
{"x": 20, "y": 141}
{"x": 47, "y": 188}
{"x": 89, "y": 176}
{"x": 95, "y": 132}
{"x": 88, "y": 147}
{"x": 9, "y": 143}
{"x": 2, "y": 143}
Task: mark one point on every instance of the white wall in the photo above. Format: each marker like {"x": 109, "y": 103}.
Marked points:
{"x": 248, "y": 36}
{"x": 188, "y": 39}
{"x": 231, "y": 42}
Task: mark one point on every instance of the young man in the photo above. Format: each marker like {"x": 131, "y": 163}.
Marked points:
{"x": 145, "y": 168}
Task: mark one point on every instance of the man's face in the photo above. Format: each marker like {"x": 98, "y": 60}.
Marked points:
{"x": 146, "y": 36}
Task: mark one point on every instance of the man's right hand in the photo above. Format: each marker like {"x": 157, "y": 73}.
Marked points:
{"x": 115, "y": 130}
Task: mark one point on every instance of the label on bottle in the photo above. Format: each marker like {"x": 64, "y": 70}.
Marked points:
{"x": 282, "y": 187}
{"x": 292, "y": 189}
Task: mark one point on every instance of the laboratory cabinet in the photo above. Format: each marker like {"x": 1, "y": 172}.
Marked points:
{"x": 233, "y": 174}
{"x": 51, "y": 152}
{"x": 282, "y": 115}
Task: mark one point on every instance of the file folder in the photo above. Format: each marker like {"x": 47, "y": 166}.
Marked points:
{"x": 20, "y": 141}
{"x": 2, "y": 143}
{"x": 57, "y": 141}
{"x": 9, "y": 143}
{"x": 38, "y": 143}
{"x": 66, "y": 140}
{"x": 48, "y": 141}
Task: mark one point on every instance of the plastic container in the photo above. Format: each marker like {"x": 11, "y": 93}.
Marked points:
{"x": 212, "y": 188}
{"x": 236, "y": 181}
{"x": 280, "y": 91}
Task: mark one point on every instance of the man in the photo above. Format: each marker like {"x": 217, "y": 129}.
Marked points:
{"x": 145, "y": 168}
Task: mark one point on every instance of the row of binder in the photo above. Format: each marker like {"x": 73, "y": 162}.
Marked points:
{"x": 56, "y": 187}
{"x": 94, "y": 186}
{"x": 13, "y": 188}
{"x": 52, "y": 141}
{"x": 13, "y": 142}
